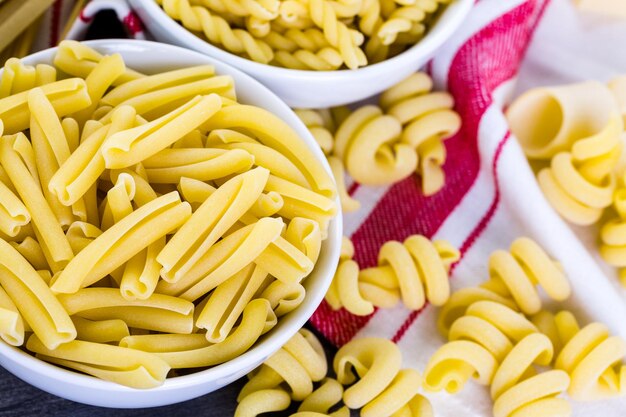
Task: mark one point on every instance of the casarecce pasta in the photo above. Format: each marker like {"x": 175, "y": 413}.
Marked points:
{"x": 414, "y": 271}
{"x": 124, "y": 197}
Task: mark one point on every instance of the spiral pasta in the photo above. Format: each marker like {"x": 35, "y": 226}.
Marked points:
{"x": 591, "y": 356}
{"x": 428, "y": 119}
{"x": 580, "y": 184}
{"x": 613, "y": 237}
{"x": 379, "y": 387}
{"x": 414, "y": 271}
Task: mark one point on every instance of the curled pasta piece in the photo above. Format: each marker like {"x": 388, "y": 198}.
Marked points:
{"x": 30, "y": 249}
{"x": 263, "y": 401}
{"x": 123, "y": 240}
{"x": 49, "y": 233}
{"x": 306, "y": 236}
{"x": 516, "y": 390}
{"x": 299, "y": 363}
{"x": 591, "y": 356}
{"x": 337, "y": 33}
{"x": 257, "y": 318}
{"x": 399, "y": 21}
{"x": 217, "y": 30}
{"x": 318, "y": 126}
{"x": 67, "y": 96}
{"x": 209, "y": 222}
{"x": 580, "y": 184}
{"x": 428, "y": 119}
{"x": 348, "y": 204}
{"x": 368, "y": 143}
{"x": 283, "y": 297}
{"x": 124, "y": 366}
{"x": 159, "y": 312}
{"x": 79, "y": 60}
{"x": 325, "y": 397}
{"x": 13, "y": 213}
{"x": 81, "y": 234}
{"x": 613, "y": 235}
{"x": 170, "y": 165}
{"x": 131, "y": 146}
{"x": 36, "y": 303}
{"x": 326, "y": 59}
{"x": 382, "y": 388}
{"x": 415, "y": 271}
{"x": 549, "y": 120}
{"x": 479, "y": 341}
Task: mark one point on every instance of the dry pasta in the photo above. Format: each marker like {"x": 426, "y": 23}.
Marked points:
{"x": 612, "y": 236}
{"x": 318, "y": 35}
{"x": 125, "y": 198}
{"x": 413, "y": 271}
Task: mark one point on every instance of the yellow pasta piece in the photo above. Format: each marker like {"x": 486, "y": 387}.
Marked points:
{"x": 318, "y": 127}
{"x": 328, "y": 395}
{"x": 13, "y": 213}
{"x": 66, "y": 96}
{"x": 226, "y": 303}
{"x": 612, "y": 234}
{"x": 124, "y": 366}
{"x": 50, "y": 235}
{"x": 283, "y": 297}
{"x": 306, "y": 236}
{"x": 348, "y": 204}
{"x": 30, "y": 249}
{"x": 549, "y": 120}
{"x": 263, "y": 401}
{"x": 516, "y": 393}
{"x": 165, "y": 342}
{"x": 368, "y": 142}
{"x": 170, "y": 165}
{"x": 126, "y": 148}
{"x": 100, "y": 331}
{"x": 257, "y": 317}
{"x": 209, "y": 222}
{"x": 273, "y": 132}
{"x": 38, "y": 306}
{"x": 100, "y": 78}
{"x": 79, "y": 60}
{"x": 11, "y": 323}
{"x": 428, "y": 119}
{"x": 72, "y": 132}
{"x": 81, "y": 170}
{"x": 580, "y": 184}
{"x": 299, "y": 363}
{"x": 123, "y": 240}
{"x": 81, "y": 234}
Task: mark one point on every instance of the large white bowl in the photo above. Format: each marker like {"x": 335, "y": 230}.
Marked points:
{"x": 151, "y": 57}
{"x": 314, "y": 89}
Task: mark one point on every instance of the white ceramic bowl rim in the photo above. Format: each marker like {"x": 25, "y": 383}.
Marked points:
{"x": 269, "y": 342}
{"x": 453, "y": 15}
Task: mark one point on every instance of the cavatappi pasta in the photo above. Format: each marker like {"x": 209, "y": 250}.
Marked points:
{"x": 413, "y": 271}
{"x": 149, "y": 222}
{"x": 369, "y": 378}
{"x": 385, "y": 143}
{"x": 317, "y": 35}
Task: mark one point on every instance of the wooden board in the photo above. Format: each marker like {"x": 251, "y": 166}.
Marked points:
{"x": 17, "y": 15}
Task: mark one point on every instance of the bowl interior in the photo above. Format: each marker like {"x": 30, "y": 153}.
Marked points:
{"x": 151, "y": 57}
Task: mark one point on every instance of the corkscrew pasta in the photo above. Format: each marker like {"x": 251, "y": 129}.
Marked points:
{"x": 414, "y": 271}
{"x": 612, "y": 237}
{"x": 317, "y": 35}
{"x": 151, "y": 222}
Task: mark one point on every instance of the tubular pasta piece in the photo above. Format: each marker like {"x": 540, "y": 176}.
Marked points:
{"x": 50, "y": 235}
{"x": 209, "y": 222}
{"x": 16, "y": 77}
{"x": 66, "y": 96}
{"x": 11, "y": 323}
{"x": 318, "y": 127}
{"x": 13, "y": 213}
{"x": 368, "y": 143}
{"x": 348, "y": 204}
{"x": 305, "y": 235}
{"x": 170, "y": 165}
{"x": 124, "y": 366}
{"x": 263, "y": 401}
{"x": 257, "y": 316}
{"x": 147, "y": 318}
{"x": 325, "y": 397}
{"x": 37, "y": 304}
{"x": 123, "y": 240}
{"x": 79, "y": 60}
{"x": 283, "y": 297}
{"x": 129, "y": 147}
{"x": 613, "y": 234}
{"x": 81, "y": 234}
{"x": 100, "y": 331}
{"x": 549, "y": 120}
{"x": 165, "y": 342}
{"x": 299, "y": 363}
{"x": 275, "y": 133}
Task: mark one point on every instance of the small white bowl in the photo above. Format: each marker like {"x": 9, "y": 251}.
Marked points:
{"x": 314, "y": 89}
{"x": 151, "y": 57}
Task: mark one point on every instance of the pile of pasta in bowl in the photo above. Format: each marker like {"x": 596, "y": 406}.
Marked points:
{"x": 148, "y": 223}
